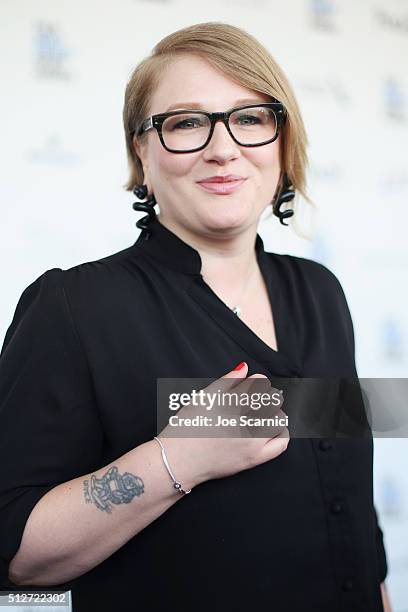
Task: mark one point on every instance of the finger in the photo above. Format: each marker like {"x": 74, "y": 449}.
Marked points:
{"x": 276, "y": 446}
{"x": 232, "y": 378}
{"x": 257, "y": 376}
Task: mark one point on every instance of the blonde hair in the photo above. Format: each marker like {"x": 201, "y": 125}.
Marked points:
{"x": 239, "y": 56}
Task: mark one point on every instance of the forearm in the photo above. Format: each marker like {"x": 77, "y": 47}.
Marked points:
{"x": 385, "y": 599}
{"x": 73, "y": 527}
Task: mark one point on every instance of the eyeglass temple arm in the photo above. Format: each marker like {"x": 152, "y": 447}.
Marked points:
{"x": 146, "y": 125}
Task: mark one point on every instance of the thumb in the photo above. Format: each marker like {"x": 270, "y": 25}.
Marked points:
{"x": 236, "y": 375}
{"x": 240, "y": 371}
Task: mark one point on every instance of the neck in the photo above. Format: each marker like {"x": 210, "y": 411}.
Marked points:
{"x": 226, "y": 261}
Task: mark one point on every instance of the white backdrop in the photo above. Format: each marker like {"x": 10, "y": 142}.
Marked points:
{"x": 63, "y": 74}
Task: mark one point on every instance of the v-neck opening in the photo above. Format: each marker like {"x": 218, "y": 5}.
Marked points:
{"x": 272, "y": 310}
{"x": 241, "y": 333}
{"x": 241, "y": 322}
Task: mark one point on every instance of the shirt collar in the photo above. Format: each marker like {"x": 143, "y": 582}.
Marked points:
{"x": 163, "y": 245}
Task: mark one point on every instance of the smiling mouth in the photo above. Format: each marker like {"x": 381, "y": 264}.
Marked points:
{"x": 224, "y": 188}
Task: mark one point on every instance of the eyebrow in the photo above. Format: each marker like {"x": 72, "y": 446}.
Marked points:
{"x": 199, "y": 106}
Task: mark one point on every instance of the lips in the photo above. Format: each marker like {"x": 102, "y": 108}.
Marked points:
{"x": 228, "y": 178}
{"x": 223, "y": 187}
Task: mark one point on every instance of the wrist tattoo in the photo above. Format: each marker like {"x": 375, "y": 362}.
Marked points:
{"x": 112, "y": 488}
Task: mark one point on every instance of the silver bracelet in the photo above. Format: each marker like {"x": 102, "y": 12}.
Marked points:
{"x": 177, "y": 484}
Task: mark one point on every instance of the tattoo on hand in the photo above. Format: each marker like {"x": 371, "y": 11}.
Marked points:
{"x": 112, "y": 488}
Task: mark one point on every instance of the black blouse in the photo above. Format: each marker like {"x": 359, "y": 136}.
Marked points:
{"x": 78, "y": 373}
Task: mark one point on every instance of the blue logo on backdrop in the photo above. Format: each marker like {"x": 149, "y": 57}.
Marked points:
{"x": 322, "y": 13}
{"x": 394, "y": 99}
{"x": 393, "y": 340}
{"x": 50, "y": 52}
{"x": 53, "y": 152}
{"x": 390, "y": 496}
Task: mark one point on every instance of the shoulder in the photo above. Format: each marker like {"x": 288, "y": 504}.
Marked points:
{"x": 316, "y": 295}
{"x": 96, "y": 284}
{"x": 308, "y": 268}
{"x": 94, "y": 271}
{"x": 309, "y": 275}
{"x": 100, "y": 274}
{"x": 45, "y": 304}
{"x": 38, "y": 325}
{"x": 91, "y": 276}
{"x": 36, "y": 303}
{"x": 316, "y": 291}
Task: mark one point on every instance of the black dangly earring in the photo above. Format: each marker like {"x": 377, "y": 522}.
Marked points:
{"x": 285, "y": 194}
{"x": 148, "y": 205}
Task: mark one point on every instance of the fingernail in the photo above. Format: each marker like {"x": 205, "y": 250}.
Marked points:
{"x": 240, "y": 366}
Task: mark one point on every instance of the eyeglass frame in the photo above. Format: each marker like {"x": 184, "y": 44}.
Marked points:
{"x": 156, "y": 121}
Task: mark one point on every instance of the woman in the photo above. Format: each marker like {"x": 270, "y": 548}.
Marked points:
{"x": 88, "y": 499}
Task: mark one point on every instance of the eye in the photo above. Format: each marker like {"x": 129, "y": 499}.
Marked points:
{"x": 252, "y": 117}
{"x": 248, "y": 119}
{"x": 185, "y": 122}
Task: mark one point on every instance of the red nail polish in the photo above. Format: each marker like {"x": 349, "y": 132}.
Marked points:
{"x": 240, "y": 366}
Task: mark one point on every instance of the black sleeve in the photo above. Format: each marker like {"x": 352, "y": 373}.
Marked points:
{"x": 50, "y": 431}
{"x": 381, "y": 554}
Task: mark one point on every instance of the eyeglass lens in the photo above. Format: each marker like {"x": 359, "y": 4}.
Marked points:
{"x": 190, "y": 130}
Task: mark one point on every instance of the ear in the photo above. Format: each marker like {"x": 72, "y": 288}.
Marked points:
{"x": 137, "y": 148}
{"x": 141, "y": 151}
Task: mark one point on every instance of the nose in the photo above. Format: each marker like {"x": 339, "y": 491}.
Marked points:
{"x": 221, "y": 146}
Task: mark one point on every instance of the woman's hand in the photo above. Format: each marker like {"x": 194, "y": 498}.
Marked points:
{"x": 196, "y": 460}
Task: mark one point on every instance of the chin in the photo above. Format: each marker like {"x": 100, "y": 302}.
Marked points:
{"x": 223, "y": 221}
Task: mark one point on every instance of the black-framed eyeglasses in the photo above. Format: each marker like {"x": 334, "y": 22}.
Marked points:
{"x": 189, "y": 130}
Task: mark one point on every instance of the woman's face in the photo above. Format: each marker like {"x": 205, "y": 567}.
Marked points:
{"x": 173, "y": 178}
